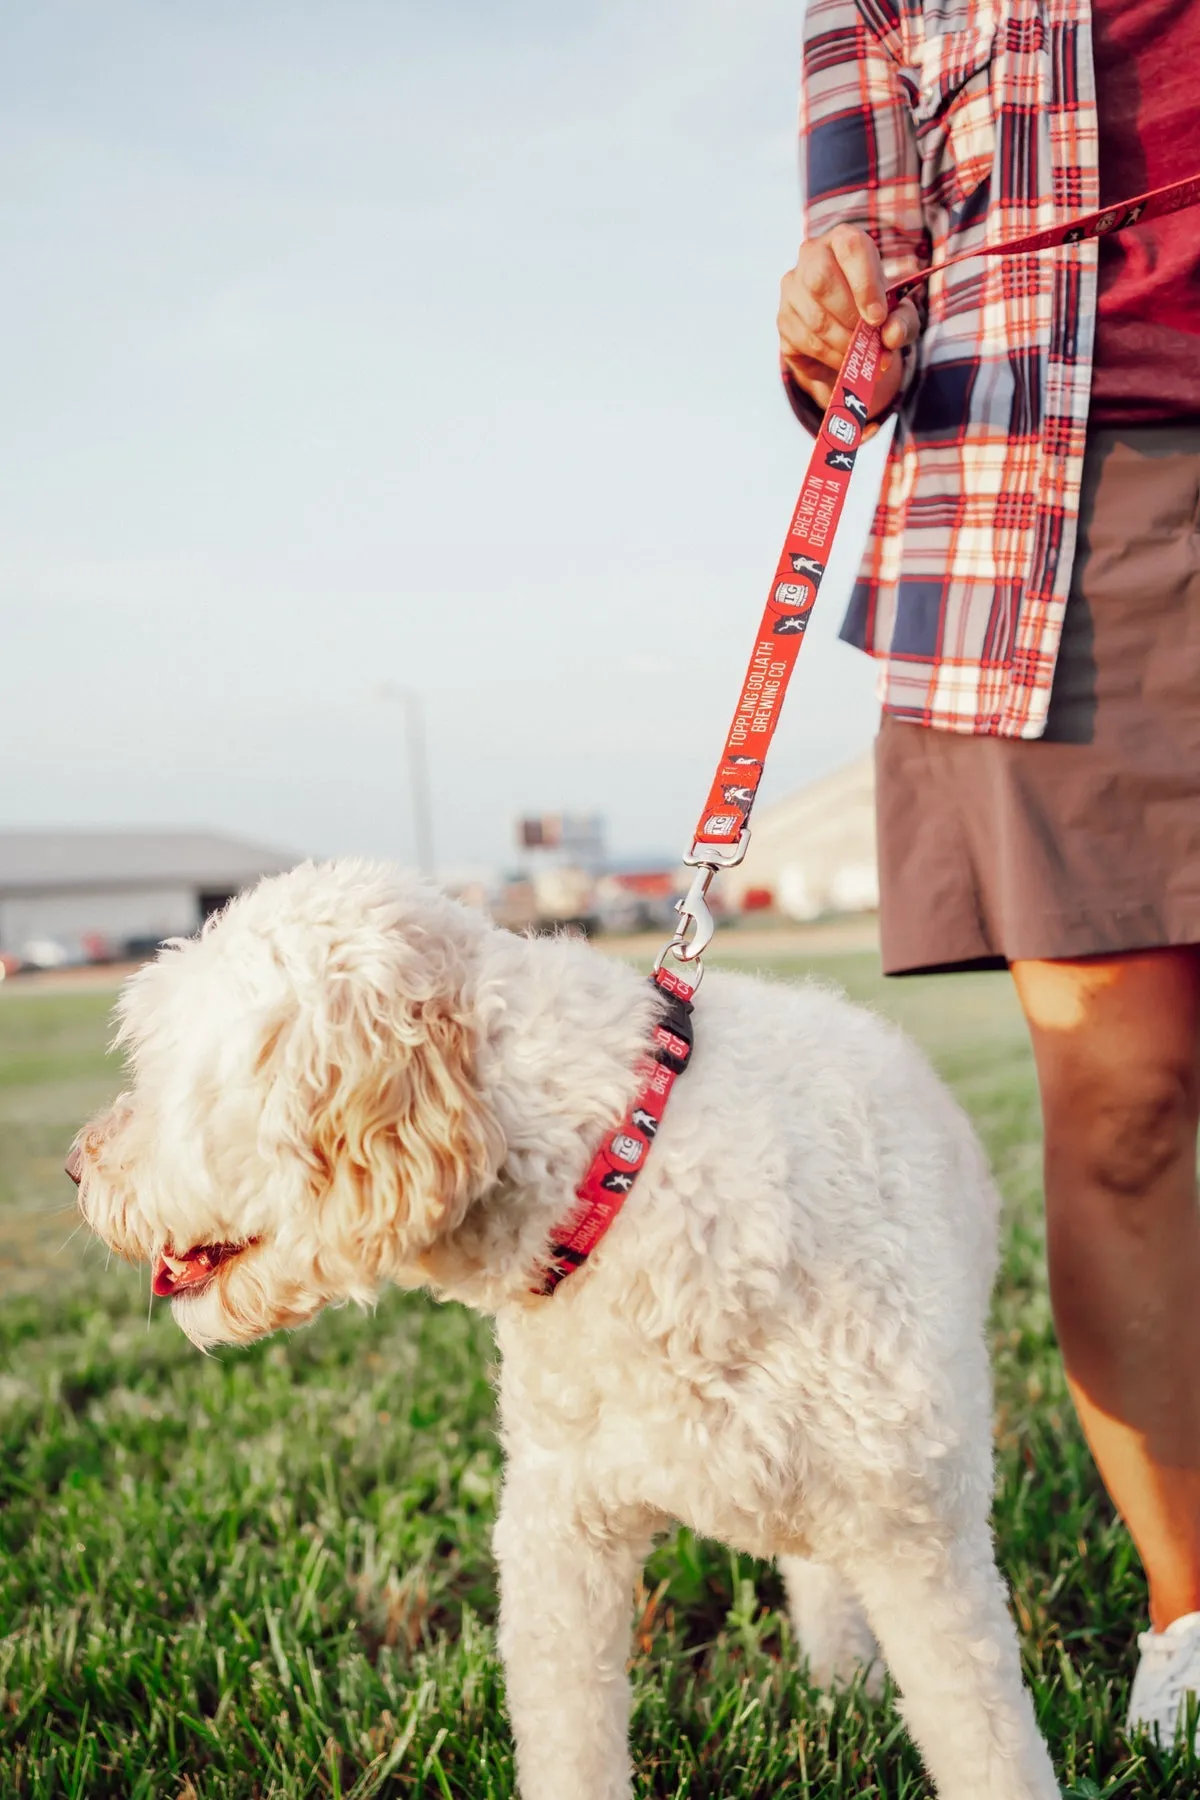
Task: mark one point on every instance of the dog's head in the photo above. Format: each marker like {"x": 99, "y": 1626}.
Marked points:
{"x": 303, "y": 1121}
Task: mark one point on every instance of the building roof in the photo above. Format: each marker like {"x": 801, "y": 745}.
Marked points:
{"x": 840, "y": 803}
{"x": 40, "y": 860}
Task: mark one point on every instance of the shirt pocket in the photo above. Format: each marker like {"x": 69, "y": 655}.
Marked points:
{"x": 951, "y": 87}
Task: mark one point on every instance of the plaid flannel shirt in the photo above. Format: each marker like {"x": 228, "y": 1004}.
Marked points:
{"x": 937, "y": 125}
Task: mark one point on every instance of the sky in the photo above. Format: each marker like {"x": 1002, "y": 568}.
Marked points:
{"x": 390, "y": 345}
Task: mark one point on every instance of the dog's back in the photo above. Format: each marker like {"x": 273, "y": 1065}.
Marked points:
{"x": 794, "y": 1297}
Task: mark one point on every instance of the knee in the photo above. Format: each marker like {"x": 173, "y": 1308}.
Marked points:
{"x": 1119, "y": 1131}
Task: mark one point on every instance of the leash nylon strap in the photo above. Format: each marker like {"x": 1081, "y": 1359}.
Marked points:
{"x": 723, "y": 830}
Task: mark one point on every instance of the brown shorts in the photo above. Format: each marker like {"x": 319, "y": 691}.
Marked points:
{"x": 1085, "y": 841}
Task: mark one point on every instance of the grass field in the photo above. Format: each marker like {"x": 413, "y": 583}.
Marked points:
{"x": 267, "y": 1572}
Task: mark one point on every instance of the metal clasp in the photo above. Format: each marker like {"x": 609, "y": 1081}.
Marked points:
{"x": 694, "y": 915}
{"x": 693, "y": 910}
{"x": 718, "y": 856}
{"x": 696, "y": 919}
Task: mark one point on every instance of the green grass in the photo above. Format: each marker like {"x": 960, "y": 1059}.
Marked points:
{"x": 267, "y": 1572}
{"x": 53, "y": 1074}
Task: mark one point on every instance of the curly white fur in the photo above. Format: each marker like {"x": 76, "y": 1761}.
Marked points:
{"x": 780, "y": 1342}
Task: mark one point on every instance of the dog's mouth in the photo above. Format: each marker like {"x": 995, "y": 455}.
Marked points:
{"x": 176, "y": 1273}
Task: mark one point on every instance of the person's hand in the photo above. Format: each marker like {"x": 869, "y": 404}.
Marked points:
{"x": 838, "y": 280}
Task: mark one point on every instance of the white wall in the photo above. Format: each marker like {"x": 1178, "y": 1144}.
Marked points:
{"x": 815, "y": 849}
{"x": 116, "y": 914}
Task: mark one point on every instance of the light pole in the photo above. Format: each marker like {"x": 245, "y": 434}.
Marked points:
{"x": 418, "y": 771}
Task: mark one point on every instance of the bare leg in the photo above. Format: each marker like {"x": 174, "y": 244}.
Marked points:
{"x": 939, "y": 1611}
{"x": 566, "y": 1606}
{"x": 1117, "y": 1044}
{"x": 830, "y": 1625}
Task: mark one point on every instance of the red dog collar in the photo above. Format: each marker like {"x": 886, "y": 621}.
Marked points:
{"x": 620, "y": 1159}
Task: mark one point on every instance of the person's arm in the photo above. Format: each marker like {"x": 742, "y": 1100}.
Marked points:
{"x": 863, "y": 221}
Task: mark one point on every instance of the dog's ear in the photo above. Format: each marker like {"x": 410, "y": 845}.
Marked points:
{"x": 376, "y": 1069}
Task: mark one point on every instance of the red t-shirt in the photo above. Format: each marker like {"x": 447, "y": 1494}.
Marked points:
{"x": 1147, "y": 355}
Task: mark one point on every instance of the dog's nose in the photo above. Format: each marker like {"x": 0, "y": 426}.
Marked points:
{"x": 74, "y": 1165}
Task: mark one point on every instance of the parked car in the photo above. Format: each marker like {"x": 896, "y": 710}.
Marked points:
{"x": 51, "y": 953}
{"x": 558, "y": 898}
{"x": 139, "y": 949}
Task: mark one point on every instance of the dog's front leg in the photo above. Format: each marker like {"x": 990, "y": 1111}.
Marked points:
{"x": 566, "y": 1604}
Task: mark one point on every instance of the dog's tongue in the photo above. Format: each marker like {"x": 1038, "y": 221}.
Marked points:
{"x": 174, "y": 1273}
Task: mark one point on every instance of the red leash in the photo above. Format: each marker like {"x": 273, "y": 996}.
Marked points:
{"x": 722, "y": 824}
{"x": 723, "y": 831}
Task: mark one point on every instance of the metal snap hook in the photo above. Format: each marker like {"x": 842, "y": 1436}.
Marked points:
{"x": 694, "y": 912}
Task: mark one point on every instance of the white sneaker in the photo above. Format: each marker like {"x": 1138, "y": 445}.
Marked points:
{"x": 1169, "y": 1670}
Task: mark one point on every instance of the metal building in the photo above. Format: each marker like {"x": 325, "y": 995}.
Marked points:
{"x": 813, "y": 852}
{"x": 118, "y": 892}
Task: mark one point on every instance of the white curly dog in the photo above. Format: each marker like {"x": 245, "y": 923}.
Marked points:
{"x": 348, "y": 1079}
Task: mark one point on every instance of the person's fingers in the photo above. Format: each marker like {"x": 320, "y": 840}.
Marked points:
{"x": 816, "y": 378}
{"x": 820, "y": 285}
{"x": 838, "y": 280}
{"x": 862, "y": 271}
{"x": 821, "y": 280}
{"x": 827, "y": 326}
{"x": 823, "y": 341}
{"x": 903, "y": 326}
